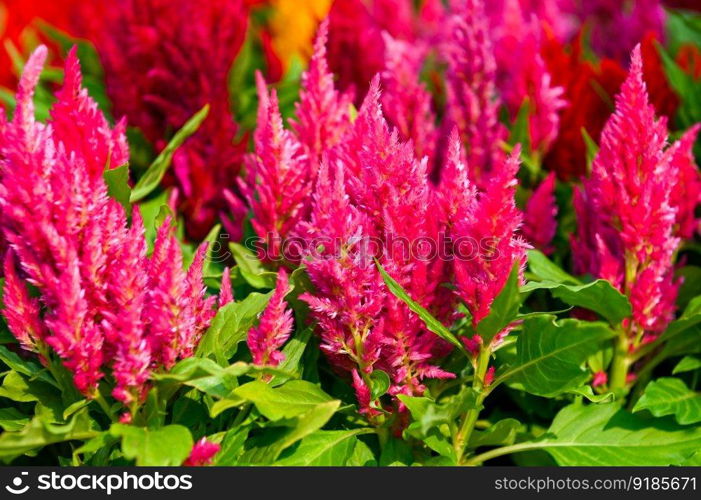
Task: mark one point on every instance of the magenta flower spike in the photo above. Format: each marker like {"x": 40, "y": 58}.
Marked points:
{"x": 226, "y": 293}
{"x": 322, "y": 113}
{"x": 626, "y": 211}
{"x": 202, "y": 453}
{"x": 540, "y": 217}
{"x": 471, "y": 90}
{"x": 279, "y": 178}
{"x": 686, "y": 193}
{"x": 276, "y": 323}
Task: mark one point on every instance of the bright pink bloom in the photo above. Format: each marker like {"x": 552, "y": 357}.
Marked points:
{"x": 522, "y": 72}
{"x": 618, "y": 25}
{"x": 274, "y": 328}
{"x": 472, "y": 103}
{"x": 405, "y": 100}
{"x": 164, "y": 60}
{"x": 625, "y": 212}
{"x": 540, "y": 217}
{"x": 493, "y": 222}
{"x": 226, "y": 293}
{"x": 322, "y": 113}
{"x": 202, "y": 453}
{"x": 686, "y": 192}
{"x": 279, "y": 179}
{"x": 96, "y": 308}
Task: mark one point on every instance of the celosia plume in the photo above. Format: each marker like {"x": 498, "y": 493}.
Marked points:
{"x": 540, "y": 216}
{"x": 274, "y": 328}
{"x": 202, "y": 453}
{"x": 626, "y": 213}
{"x": 279, "y": 178}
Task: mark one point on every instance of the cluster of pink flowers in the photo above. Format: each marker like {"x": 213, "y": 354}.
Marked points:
{"x": 100, "y": 303}
{"x": 369, "y": 191}
{"x": 637, "y": 204}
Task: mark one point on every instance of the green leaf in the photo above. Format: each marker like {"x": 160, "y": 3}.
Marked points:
{"x": 117, "y": 180}
{"x": 287, "y": 401}
{"x": 499, "y": 434}
{"x": 504, "y": 309}
{"x": 165, "y": 446}
{"x": 232, "y": 446}
{"x": 587, "y": 392}
{"x": 671, "y": 396}
{"x": 606, "y": 435}
{"x": 298, "y": 428}
{"x": 324, "y": 448}
{"x": 230, "y": 326}
{"x": 687, "y": 364}
{"x": 592, "y": 147}
{"x": 379, "y": 384}
{"x": 546, "y": 270}
{"x": 251, "y": 268}
{"x": 12, "y": 420}
{"x": 432, "y": 324}
{"x": 550, "y": 354}
{"x": 153, "y": 176}
{"x": 38, "y": 433}
{"x": 599, "y": 296}
{"x": 24, "y": 366}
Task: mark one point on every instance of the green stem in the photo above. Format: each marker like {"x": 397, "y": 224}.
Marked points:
{"x": 504, "y": 450}
{"x": 469, "y": 419}
{"x": 620, "y": 363}
{"x": 102, "y": 402}
{"x": 243, "y": 413}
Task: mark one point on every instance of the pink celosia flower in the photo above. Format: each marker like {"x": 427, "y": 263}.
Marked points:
{"x": 617, "y": 25}
{"x": 686, "y": 192}
{"x": 274, "y": 328}
{"x": 523, "y": 74}
{"x": 202, "y": 453}
{"x": 279, "y": 179}
{"x": 472, "y": 103}
{"x": 405, "y": 100}
{"x": 540, "y": 217}
{"x": 489, "y": 227}
{"x": 226, "y": 293}
{"x": 625, "y": 211}
{"x": 322, "y": 113}
{"x": 96, "y": 308}
{"x": 164, "y": 60}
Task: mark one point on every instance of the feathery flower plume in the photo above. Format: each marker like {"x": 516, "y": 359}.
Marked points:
{"x": 163, "y": 61}
{"x": 276, "y": 323}
{"x": 203, "y": 452}
{"x": 279, "y": 178}
{"x": 323, "y": 114}
{"x": 540, "y": 216}
{"x": 96, "y": 308}
{"x": 405, "y": 100}
{"x": 493, "y": 221}
{"x": 686, "y": 193}
{"x": 626, "y": 213}
{"x": 226, "y": 293}
{"x": 472, "y": 103}
{"x": 523, "y": 74}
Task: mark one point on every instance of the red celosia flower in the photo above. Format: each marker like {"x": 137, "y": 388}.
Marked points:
{"x": 276, "y": 322}
{"x": 202, "y": 453}
{"x": 164, "y": 60}
{"x": 588, "y": 88}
